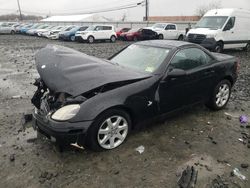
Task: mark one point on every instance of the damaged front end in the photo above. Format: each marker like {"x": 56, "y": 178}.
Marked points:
{"x": 53, "y": 112}
{"x": 48, "y": 101}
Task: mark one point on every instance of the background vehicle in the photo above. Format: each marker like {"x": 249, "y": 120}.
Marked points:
{"x": 222, "y": 29}
{"x": 6, "y": 28}
{"x": 25, "y": 28}
{"x": 139, "y": 34}
{"x": 41, "y": 31}
{"x": 142, "y": 81}
{"x": 37, "y": 29}
{"x": 121, "y": 30}
{"x": 70, "y": 35}
{"x": 52, "y": 31}
{"x": 168, "y": 31}
{"x": 97, "y": 32}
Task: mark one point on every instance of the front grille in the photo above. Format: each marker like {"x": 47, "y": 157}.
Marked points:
{"x": 196, "y": 38}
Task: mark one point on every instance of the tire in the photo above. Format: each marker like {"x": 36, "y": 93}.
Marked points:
{"x": 181, "y": 37}
{"x": 161, "y": 36}
{"x": 135, "y": 38}
{"x": 218, "y": 47}
{"x": 112, "y": 39}
{"x": 220, "y": 96}
{"x": 96, "y": 141}
{"x": 247, "y": 48}
{"x": 12, "y": 32}
{"x": 91, "y": 39}
{"x": 72, "y": 38}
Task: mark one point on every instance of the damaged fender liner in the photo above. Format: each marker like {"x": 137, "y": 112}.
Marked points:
{"x": 65, "y": 70}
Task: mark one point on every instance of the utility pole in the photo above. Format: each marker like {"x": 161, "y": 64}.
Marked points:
{"x": 21, "y": 17}
{"x": 146, "y": 11}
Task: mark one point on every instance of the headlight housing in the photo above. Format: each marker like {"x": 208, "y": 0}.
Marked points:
{"x": 210, "y": 35}
{"x": 66, "y": 112}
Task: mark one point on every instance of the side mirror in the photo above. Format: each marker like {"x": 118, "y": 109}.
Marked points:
{"x": 174, "y": 73}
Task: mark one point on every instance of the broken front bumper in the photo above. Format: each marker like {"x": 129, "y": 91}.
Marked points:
{"x": 62, "y": 132}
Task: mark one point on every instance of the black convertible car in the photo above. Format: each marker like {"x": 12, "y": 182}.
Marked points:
{"x": 96, "y": 103}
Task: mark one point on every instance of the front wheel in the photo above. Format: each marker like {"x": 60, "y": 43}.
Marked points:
{"x": 91, "y": 39}
{"x": 219, "y": 47}
{"x": 220, "y": 95}
{"x": 108, "y": 131}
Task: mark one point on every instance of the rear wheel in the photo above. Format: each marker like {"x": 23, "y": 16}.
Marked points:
{"x": 73, "y": 38}
{"x": 135, "y": 38}
{"x": 112, "y": 39}
{"x": 91, "y": 39}
{"x": 220, "y": 95}
{"x": 109, "y": 130}
{"x": 181, "y": 37}
{"x": 219, "y": 47}
{"x": 161, "y": 36}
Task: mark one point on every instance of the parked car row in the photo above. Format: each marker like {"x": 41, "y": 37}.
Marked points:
{"x": 97, "y": 32}
{"x": 217, "y": 30}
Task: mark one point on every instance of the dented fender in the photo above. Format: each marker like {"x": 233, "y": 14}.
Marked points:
{"x": 139, "y": 102}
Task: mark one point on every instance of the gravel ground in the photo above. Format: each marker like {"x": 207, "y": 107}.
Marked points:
{"x": 199, "y": 137}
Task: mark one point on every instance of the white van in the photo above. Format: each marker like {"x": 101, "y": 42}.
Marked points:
{"x": 222, "y": 29}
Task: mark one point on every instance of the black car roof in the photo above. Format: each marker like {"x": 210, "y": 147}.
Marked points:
{"x": 165, "y": 43}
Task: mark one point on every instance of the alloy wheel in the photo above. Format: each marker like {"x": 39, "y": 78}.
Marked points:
{"x": 112, "y": 132}
{"x": 222, "y": 95}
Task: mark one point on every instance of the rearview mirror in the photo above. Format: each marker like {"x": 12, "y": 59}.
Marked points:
{"x": 176, "y": 73}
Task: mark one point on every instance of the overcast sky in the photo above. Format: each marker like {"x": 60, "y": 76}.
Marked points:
{"x": 156, "y": 7}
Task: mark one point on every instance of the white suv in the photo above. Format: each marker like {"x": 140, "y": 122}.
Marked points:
{"x": 97, "y": 32}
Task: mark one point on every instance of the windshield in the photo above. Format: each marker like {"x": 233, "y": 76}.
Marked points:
{"x": 159, "y": 26}
{"x": 69, "y": 28}
{"x": 141, "y": 58}
{"x": 212, "y": 22}
{"x": 90, "y": 28}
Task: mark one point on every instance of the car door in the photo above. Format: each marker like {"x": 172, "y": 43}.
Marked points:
{"x": 98, "y": 32}
{"x": 230, "y": 35}
{"x": 169, "y": 32}
{"x": 172, "y": 32}
{"x": 192, "y": 84}
{"x": 107, "y": 32}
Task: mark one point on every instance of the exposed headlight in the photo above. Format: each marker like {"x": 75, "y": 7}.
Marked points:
{"x": 66, "y": 112}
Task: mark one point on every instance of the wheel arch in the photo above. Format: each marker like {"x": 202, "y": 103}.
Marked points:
{"x": 229, "y": 78}
{"x": 123, "y": 108}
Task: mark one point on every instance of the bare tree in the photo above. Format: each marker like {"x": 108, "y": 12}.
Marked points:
{"x": 200, "y": 11}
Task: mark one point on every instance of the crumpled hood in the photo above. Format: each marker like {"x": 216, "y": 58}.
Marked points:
{"x": 66, "y": 70}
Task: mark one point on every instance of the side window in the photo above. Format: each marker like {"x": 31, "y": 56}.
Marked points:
{"x": 230, "y": 24}
{"x": 190, "y": 58}
{"x": 172, "y": 27}
{"x": 107, "y": 28}
{"x": 168, "y": 27}
{"x": 98, "y": 28}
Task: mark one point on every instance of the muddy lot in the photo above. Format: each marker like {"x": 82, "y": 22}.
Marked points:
{"x": 199, "y": 137}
